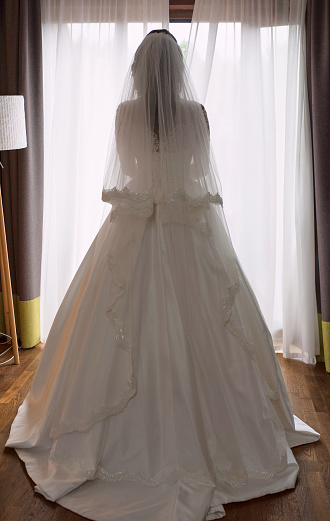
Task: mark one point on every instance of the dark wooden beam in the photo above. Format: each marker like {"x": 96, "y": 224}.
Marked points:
{"x": 181, "y": 10}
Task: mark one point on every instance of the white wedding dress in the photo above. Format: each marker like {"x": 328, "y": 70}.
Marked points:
{"x": 159, "y": 396}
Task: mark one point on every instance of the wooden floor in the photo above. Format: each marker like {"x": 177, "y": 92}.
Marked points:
{"x": 309, "y": 390}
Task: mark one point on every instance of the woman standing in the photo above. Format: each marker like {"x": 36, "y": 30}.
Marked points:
{"x": 159, "y": 396}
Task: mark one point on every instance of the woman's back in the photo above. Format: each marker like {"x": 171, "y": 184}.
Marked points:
{"x": 167, "y": 160}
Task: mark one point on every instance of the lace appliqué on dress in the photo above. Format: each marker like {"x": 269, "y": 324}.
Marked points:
{"x": 139, "y": 199}
{"x": 240, "y": 477}
{"x": 121, "y": 340}
{"x": 97, "y": 415}
{"x": 120, "y": 281}
{"x": 272, "y": 394}
{"x": 128, "y": 392}
{"x": 235, "y": 478}
{"x": 238, "y": 332}
{"x": 226, "y": 311}
{"x": 163, "y": 476}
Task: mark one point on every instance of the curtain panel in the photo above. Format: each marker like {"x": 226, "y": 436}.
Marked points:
{"x": 318, "y": 62}
{"x": 247, "y": 59}
{"x": 22, "y": 177}
{"x": 87, "y": 48}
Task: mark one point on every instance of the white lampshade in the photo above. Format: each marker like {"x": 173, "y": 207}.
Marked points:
{"x": 12, "y": 123}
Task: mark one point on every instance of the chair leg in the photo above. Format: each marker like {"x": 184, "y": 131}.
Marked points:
{"x": 4, "y": 292}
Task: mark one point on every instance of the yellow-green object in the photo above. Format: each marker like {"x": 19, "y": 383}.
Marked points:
{"x": 27, "y": 315}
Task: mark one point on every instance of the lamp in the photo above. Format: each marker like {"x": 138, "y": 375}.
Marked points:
{"x": 12, "y": 136}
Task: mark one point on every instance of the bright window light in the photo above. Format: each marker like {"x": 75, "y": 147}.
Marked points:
{"x": 181, "y": 32}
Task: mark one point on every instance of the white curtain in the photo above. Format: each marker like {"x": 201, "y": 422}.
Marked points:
{"x": 87, "y": 48}
{"x": 247, "y": 59}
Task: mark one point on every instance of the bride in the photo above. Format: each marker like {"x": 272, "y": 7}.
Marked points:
{"x": 159, "y": 396}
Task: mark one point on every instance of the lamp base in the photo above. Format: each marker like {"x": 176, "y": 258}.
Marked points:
{"x": 9, "y": 338}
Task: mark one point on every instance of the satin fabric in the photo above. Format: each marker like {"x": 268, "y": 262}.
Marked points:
{"x": 172, "y": 415}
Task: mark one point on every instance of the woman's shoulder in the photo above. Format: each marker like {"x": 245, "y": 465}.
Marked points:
{"x": 194, "y": 106}
{"x": 128, "y": 111}
{"x": 129, "y": 106}
{"x": 196, "y": 109}
{"x": 190, "y": 104}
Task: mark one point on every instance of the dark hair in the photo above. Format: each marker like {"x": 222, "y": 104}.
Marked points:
{"x": 163, "y": 31}
{"x": 159, "y": 31}
{"x": 153, "y": 90}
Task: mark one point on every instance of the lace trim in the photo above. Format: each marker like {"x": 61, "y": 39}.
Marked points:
{"x": 127, "y": 393}
{"x": 180, "y": 195}
{"x": 226, "y": 310}
{"x": 273, "y": 394}
{"x": 97, "y": 416}
{"x": 240, "y": 477}
{"x": 235, "y": 478}
{"x": 161, "y": 477}
{"x": 120, "y": 337}
{"x": 228, "y": 302}
{"x": 121, "y": 340}
{"x": 126, "y": 193}
{"x": 120, "y": 281}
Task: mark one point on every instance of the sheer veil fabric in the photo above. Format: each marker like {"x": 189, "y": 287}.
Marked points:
{"x": 159, "y": 395}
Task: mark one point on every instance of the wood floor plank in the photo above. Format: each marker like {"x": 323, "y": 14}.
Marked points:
{"x": 11, "y": 393}
{"x": 317, "y": 488}
{"x": 309, "y": 391}
{"x": 8, "y": 409}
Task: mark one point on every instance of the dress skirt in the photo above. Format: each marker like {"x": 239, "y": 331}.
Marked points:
{"x": 159, "y": 395}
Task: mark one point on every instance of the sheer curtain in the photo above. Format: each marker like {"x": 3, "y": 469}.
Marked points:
{"x": 247, "y": 59}
{"x": 87, "y": 48}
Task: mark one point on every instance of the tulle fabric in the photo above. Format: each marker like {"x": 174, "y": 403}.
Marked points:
{"x": 160, "y": 152}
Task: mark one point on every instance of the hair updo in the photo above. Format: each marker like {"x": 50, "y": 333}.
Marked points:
{"x": 144, "y": 63}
